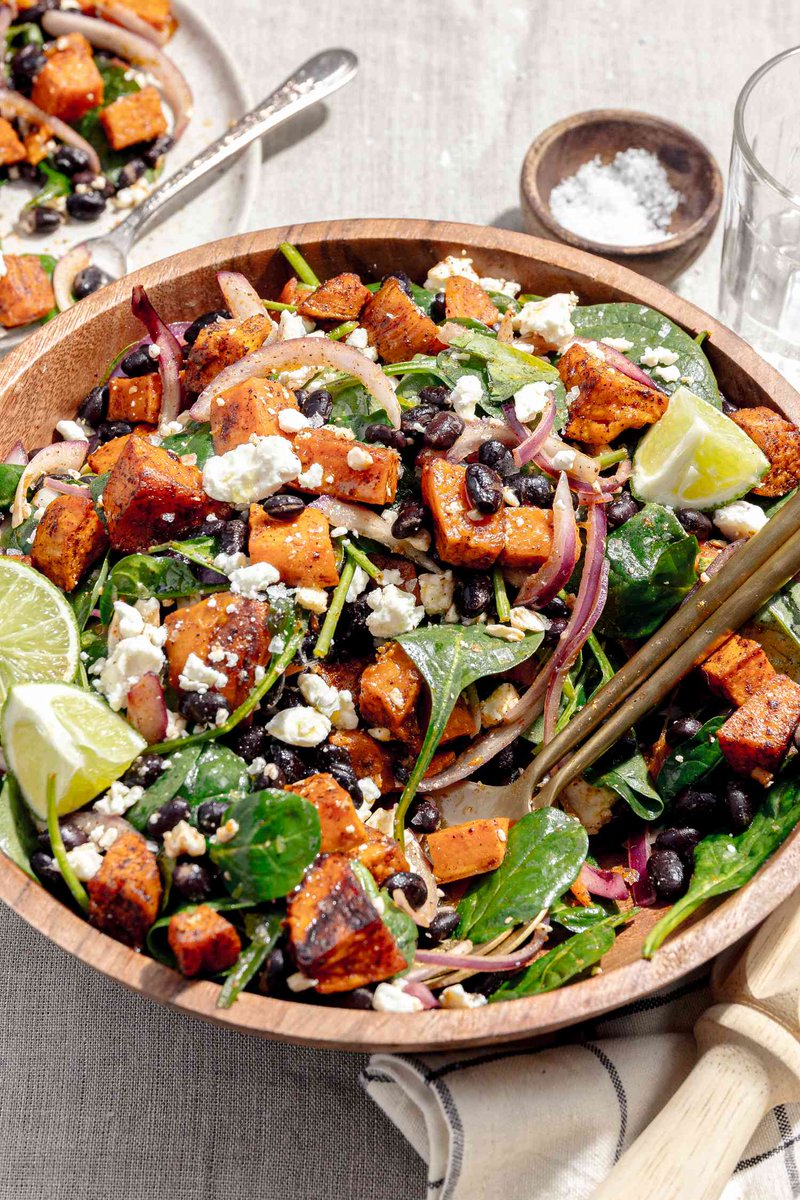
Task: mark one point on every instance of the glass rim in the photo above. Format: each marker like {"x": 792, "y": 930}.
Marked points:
{"x": 740, "y": 137}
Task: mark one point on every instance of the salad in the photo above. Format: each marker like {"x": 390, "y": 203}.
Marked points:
{"x": 89, "y": 107}
{"x": 293, "y": 604}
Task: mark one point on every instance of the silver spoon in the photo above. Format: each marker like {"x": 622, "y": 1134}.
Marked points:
{"x": 313, "y": 81}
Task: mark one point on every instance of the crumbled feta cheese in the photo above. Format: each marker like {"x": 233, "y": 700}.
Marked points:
{"x": 496, "y": 707}
{"x": 455, "y": 997}
{"x": 449, "y": 268}
{"x": 252, "y": 471}
{"x": 621, "y": 344}
{"x": 527, "y": 620}
{"x": 118, "y": 799}
{"x": 504, "y": 632}
{"x": 85, "y": 860}
{"x": 312, "y": 477}
{"x": 369, "y": 790}
{"x": 292, "y": 325}
{"x": 169, "y": 428}
{"x": 71, "y": 431}
{"x": 176, "y": 725}
{"x": 668, "y": 374}
{"x": 549, "y": 320}
{"x": 391, "y": 998}
{"x": 291, "y": 420}
{"x": 740, "y": 519}
{"x": 132, "y": 658}
{"x": 298, "y": 982}
{"x": 436, "y": 592}
{"x": 465, "y": 395}
{"x": 531, "y": 399}
{"x": 393, "y": 612}
{"x": 226, "y": 832}
{"x": 198, "y": 676}
{"x": 225, "y": 563}
{"x": 252, "y": 581}
{"x": 312, "y": 599}
{"x": 184, "y": 839}
{"x": 358, "y": 459}
{"x": 506, "y": 287}
{"x": 358, "y": 338}
{"x": 380, "y": 734}
{"x": 358, "y": 584}
{"x": 104, "y": 838}
{"x": 564, "y": 460}
{"x": 277, "y": 644}
{"x": 652, "y": 357}
{"x": 299, "y": 726}
{"x": 334, "y": 704}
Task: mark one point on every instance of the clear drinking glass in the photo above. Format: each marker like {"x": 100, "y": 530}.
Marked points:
{"x": 760, "y": 281}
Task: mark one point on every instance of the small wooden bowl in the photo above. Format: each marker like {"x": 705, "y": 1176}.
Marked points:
{"x": 559, "y": 151}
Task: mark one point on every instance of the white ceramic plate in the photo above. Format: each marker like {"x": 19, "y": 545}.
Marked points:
{"x": 220, "y": 97}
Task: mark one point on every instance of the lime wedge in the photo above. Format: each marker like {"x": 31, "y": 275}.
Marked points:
{"x": 39, "y": 637}
{"x": 57, "y": 729}
{"x": 695, "y": 457}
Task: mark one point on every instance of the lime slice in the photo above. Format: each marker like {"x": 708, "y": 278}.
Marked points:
{"x": 695, "y": 457}
{"x": 39, "y": 638}
{"x": 57, "y": 729}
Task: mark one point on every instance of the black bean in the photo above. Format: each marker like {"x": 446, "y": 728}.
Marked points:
{"x": 484, "y": 488}
{"x": 201, "y": 708}
{"x": 402, "y": 279}
{"x": 192, "y": 881}
{"x": 360, "y": 998}
{"x": 681, "y": 839}
{"x": 316, "y": 406}
{"x": 37, "y": 11}
{"x": 138, "y": 362}
{"x": 353, "y": 636}
{"x": 741, "y": 805}
{"x": 146, "y": 770}
{"x": 695, "y": 522}
{"x": 25, "y": 66}
{"x": 167, "y": 817}
{"x": 443, "y": 431}
{"x": 497, "y": 456}
{"x": 345, "y": 776}
{"x": 208, "y": 318}
{"x": 554, "y": 630}
{"x": 385, "y": 435}
{"x": 415, "y": 421}
{"x": 71, "y": 159}
{"x": 45, "y": 867}
{"x": 699, "y": 809}
{"x": 108, "y": 430}
{"x": 25, "y": 170}
{"x": 70, "y": 836}
{"x": 667, "y": 874}
{"x": 328, "y": 755}
{"x": 86, "y": 206}
{"x": 209, "y": 815}
{"x": 727, "y": 407}
{"x": 504, "y": 767}
{"x": 232, "y": 536}
{"x": 93, "y": 407}
{"x": 87, "y": 179}
{"x": 443, "y": 925}
{"x": 41, "y": 219}
{"x": 409, "y": 520}
{"x": 157, "y": 149}
{"x": 88, "y": 281}
{"x": 250, "y": 743}
{"x": 621, "y": 510}
{"x": 436, "y": 394}
{"x": 132, "y": 171}
{"x": 209, "y": 576}
{"x": 286, "y": 760}
{"x": 273, "y": 972}
{"x": 556, "y": 608}
{"x": 425, "y": 816}
{"x": 284, "y": 506}
{"x": 681, "y": 729}
{"x": 410, "y": 884}
{"x": 475, "y": 595}
{"x": 438, "y": 310}
{"x": 533, "y": 490}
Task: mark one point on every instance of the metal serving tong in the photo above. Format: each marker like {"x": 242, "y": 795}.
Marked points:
{"x": 755, "y": 572}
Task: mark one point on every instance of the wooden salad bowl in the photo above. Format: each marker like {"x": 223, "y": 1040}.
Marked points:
{"x": 45, "y": 380}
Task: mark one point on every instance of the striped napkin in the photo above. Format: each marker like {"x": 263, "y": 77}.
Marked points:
{"x": 521, "y": 1123}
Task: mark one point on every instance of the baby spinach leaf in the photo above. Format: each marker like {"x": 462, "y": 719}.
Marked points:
{"x": 85, "y": 597}
{"x": 168, "y": 784}
{"x": 645, "y": 327}
{"x": 17, "y": 832}
{"x": 723, "y": 863}
{"x": 141, "y": 575}
{"x": 631, "y": 780}
{"x": 579, "y": 917}
{"x": 157, "y": 944}
{"x": 561, "y": 964}
{"x": 450, "y": 658}
{"x": 195, "y": 439}
{"x": 263, "y": 929}
{"x": 546, "y": 850}
{"x": 691, "y": 761}
{"x": 217, "y": 772}
{"x": 9, "y": 478}
{"x": 55, "y": 184}
{"x": 22, "y": 537}
{"x": 399, "y": 923}
{"x": 411, "y": 385}
{"x": 278, "y": 836}
{"x": 353, "y": 409}
{"x": 652, "y": 567}
{"x": 783, "y": 612}
{"x": 509, "y": 369}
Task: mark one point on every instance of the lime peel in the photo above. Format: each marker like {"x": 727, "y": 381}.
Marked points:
{"x": 39, "y": 638}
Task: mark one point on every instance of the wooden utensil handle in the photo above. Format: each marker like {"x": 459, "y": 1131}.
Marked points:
{"x": 691, "y": 1149}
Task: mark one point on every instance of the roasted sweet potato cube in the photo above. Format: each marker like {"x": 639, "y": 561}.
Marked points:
{"x": 38, "y": 144}
{"x": 380, "y": 854}
{"x": 342, "y": 828}
{"x": 137, "y": 117}
{"x": 396, "y": 327}
{"x": 370, "y": 759}
{"x": 155, "y": 12}
{"x": 223, "y": 343}
{"x": 780, "y": 441}
{"x": 11, "y": 148}
{"x": 203, "y": 940}
{"x": 738, "y": 670}
{"x": 294, "y": 292}
{"x": 339, "y": 299}
{"x": 135, "y": 400}
{"x": 528, "y": 537}
{"x": 226, "y": 631}
{"x": 344, "y": 676}
{"x": 608, "y": 402}
{"x": 350, "y": 470}
{"x": 125, "y": 893}
{"x": 470, "y": 849}
{"x": 69, "y": 537}
{"x": 461, "y": 722}
{"x": 69, "y": 83}
{"x": 390, "y": 689}
{"x": 404, "y": 568}
{"x": 460, "y": 540}
{"x": 105, "y": 457}
{"x": 249, "y": 408}
{"x": 757, "y": 736}
{"x": 465, "y": 298}
{"x": 26, "y": 293}
{"x": 152, "y": 497}
{"x": 300, "y": 548}
{"x": 336, "y": 934}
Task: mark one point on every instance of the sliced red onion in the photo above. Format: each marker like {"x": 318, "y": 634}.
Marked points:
{"x": 241, "y": 297}
{"x": 14, "y": 105}
{"x": 556, "y": 456}
{"x": 540, "y": 588}
{"x": 475, "y": 433}
{"x": 419, "y": 864}
{"x": 609, "y": 885}
{"x": 67, "y": 268}
{"x": 303, "y": 352}
{"x": 120, "y": 14}
{"x": 416, "y": 988}
{"x": 170, "y": 358}
{"x": 60, "y": 456}
{"x": 716, "y": 564}
{"x": 615, "y": 358}
{"x": 526, "y": 451}
{"x": 520, "y": 431}
{"x": 638, "y": 846}
{"x": 369, "y": 524}
{"x": 66, "y": 489}
{"x": 134, "y": 49}
{"x": 147, "y": 708}
{"x": 477, "y": 962}
{"x": 17, "y": 455}
{"x": 469, "y": 800}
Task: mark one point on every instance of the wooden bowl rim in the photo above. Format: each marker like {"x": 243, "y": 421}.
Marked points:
{"x": 529, "y": 181}
{"x": 347, "y": 1029}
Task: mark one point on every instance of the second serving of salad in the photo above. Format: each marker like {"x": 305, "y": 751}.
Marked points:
{"x": 292, "y": 605}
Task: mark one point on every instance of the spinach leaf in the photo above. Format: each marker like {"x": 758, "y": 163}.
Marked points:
{"x": 22, "y": 537}
{"x": 723, "y": 863}
{"x": 411, "y": 385}
{"x": 278, "y": 836}
{"x": 782, "y": 613}
{"x": 117, "y": 80}
{"x": 263, "y": 929}
{"x": 115, "y": 84}
{"x": 157, "y": 944}
{"x": 578, "y": 917}
{"x": 141, "y": 575}
{"x": 645, "y": 327}
{"x": 85, "y": 597}
{"x": 17, "y": 831}
{"x": 217, "y": 772}
{"x": 546, "y": 850}
{"x": 509, "y": 369}
{"x": 652, "y": 567}
{"x": 55, "y": 184}
{"x": 199, "y": 550}
{"x": 97, "y": 484}
{"x": 195, "y": 439}
{"x": 691, "y": 761}
{"x": 353, "y": 409}
{"x": 557, "y": 966}
{"x": 450, "y": 658}
{"x": 9, "y": 478}
{"x": 399, "y": 923}
{"x": 167, "y": 786}
{"x": 631, "y": 780}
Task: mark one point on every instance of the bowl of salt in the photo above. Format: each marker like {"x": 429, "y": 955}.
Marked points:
{"x": 629, "y": 186}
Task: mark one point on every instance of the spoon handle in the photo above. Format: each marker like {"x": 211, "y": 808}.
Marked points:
{"x": 313, "y": 81}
